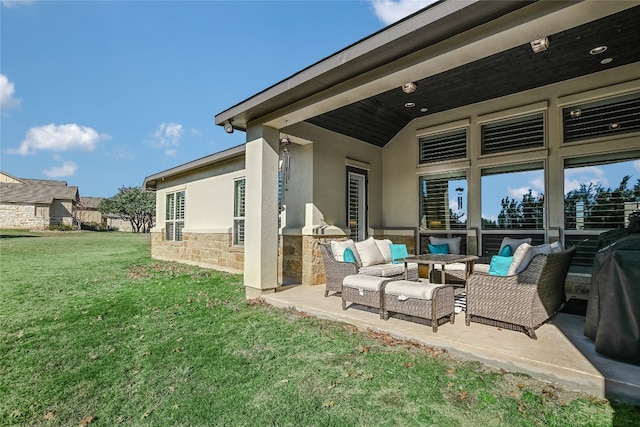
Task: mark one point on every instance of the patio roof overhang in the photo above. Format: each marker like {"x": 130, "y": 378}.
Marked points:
{"x": 458, "y": 53}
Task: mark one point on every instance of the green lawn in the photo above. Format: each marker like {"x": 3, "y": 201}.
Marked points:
{"x": 94, "y": 332}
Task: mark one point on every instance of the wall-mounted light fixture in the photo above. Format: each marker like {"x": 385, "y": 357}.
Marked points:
{"x": 540, "y": 45}
{"x": 228, "y": 127}
{"x": 409, "y": 87}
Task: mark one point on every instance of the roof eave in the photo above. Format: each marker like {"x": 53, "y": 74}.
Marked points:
{"x": 369, "y": 53}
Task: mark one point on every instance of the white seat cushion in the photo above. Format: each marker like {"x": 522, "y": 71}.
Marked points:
{"x": 363, "y": 281}
{"x": 408, "y": 289}
{"x": 524, "y": 254}
{"x": 387, "y": 270}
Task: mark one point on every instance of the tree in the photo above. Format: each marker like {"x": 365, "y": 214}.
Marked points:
{"x": 134, "y": 204}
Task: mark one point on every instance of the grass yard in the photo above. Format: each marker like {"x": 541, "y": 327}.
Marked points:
{"x": 94, "y": 332}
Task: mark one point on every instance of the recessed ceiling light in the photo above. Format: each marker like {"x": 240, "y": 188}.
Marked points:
{"x": 606, "y": 61}
{"x": 424, "y": 110}
{"x": 575, "y": 113}
{"x": 598, "y": 50}
{"x": 614, "y": 126}
{"x": 409, "y": 104}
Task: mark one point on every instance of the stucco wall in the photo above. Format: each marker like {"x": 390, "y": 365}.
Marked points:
{"x": 23, "y": 216}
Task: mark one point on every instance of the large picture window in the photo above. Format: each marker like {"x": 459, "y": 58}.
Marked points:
{"x": 238, "y": 211}
{"x": 443, "y": 202}
{"x": 174, "y": 217}
{"x": 600, "y": 196}
{"x": 513, "y": 198}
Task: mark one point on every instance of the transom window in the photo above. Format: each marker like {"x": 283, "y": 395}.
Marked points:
{"x": 513, "y": 134}
{"x": 174, "y": 217}
{"x": 443, "y": 146}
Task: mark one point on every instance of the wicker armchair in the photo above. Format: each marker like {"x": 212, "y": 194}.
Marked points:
{"x": 336, "y": 271}
{"x": 521, "y": 302}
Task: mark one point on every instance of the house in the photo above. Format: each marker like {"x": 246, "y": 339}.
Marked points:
{"x": 405, "y": 134}
{"x": 87, "y": 211}
{"x": 36, "y": 204}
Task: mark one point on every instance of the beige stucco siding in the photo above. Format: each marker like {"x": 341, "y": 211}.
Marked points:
{"x": 208, "y": 222}
{"x": 331, "y": 153}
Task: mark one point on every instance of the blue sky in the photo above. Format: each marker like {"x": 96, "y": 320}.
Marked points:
{"x": 102, "y": 94}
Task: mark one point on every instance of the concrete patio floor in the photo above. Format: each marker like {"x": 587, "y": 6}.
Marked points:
{"x": 561, "y": 354}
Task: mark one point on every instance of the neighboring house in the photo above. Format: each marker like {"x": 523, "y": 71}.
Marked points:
{"x": 87, "y": 211}
{"x": 36, "y": 204}
{"x": 387, "y": 136}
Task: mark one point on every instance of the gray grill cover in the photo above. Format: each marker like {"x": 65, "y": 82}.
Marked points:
{"x": 613, "y": 312}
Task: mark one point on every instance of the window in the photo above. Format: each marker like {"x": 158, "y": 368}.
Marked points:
{"x": 601, "y": 118}
{"x": 174, "y": 216}
{"x": 238, "y": 211}
{"x": 600, "y": 196}
{"x": 513, "y": 198}
{"x": 513, "y": 134}
{"x": 357, "y": 203}
{"x": 443, "y": 146}
{"x": 443, "y": 204}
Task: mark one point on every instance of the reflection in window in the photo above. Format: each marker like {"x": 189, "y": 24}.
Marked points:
{"x": 600, "y": 196}
{"x": 443, "y": 203}
{"x": 513, "y": 199}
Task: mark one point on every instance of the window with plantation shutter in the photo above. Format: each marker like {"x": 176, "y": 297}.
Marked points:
{"x": 513, "y": 134}
{"x": 602, "y": 118}
{"x": 238, "y": 211}
{"x": 443, "y": 146}
{"x": 174, "y": 216}
{"x": 357, "y": 203}
{"x": 443, "y": 202}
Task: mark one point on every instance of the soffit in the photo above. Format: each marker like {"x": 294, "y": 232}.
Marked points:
{"x": 379, "y": 118}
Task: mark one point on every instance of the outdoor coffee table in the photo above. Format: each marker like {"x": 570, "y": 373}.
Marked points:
{"x": 442, "y": 260}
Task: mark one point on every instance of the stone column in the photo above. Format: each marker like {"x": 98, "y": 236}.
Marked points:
{"x": 261, "y": 211}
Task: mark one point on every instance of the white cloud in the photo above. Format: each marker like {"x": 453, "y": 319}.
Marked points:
{"x": 390, "y": 11}
{"x": 11, "y": 3}
{"x": 195, "y": 132}
{"x": 167, "y": 136}
{"x": 7, "y": 91}
{"x": 574, "y": 177}
{"x": 59, "y": 138}
{"x": 517, "y": 193}
{"x": 636, "y": 165}
{"x": 68, "y": 168}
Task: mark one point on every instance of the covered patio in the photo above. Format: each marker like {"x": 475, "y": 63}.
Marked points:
{"x": 561, "y": 354}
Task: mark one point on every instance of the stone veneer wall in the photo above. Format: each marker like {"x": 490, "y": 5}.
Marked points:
{"x": 290, "y": 260}
{"x": 213, "y": 250}
{"x": 22, "y": 216}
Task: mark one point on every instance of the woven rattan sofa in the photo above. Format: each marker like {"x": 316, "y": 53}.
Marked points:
{"x": 520, "y": 302}
{"x": 336, "y": 271}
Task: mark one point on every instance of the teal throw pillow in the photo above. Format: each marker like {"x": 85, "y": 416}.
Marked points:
{"x": 500, "y": 265}
{"x": 505, "y": 251}
{"x": 398, "y": 251}
{"x": 348, "y": 256}
{"x": 439, "y": 249}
